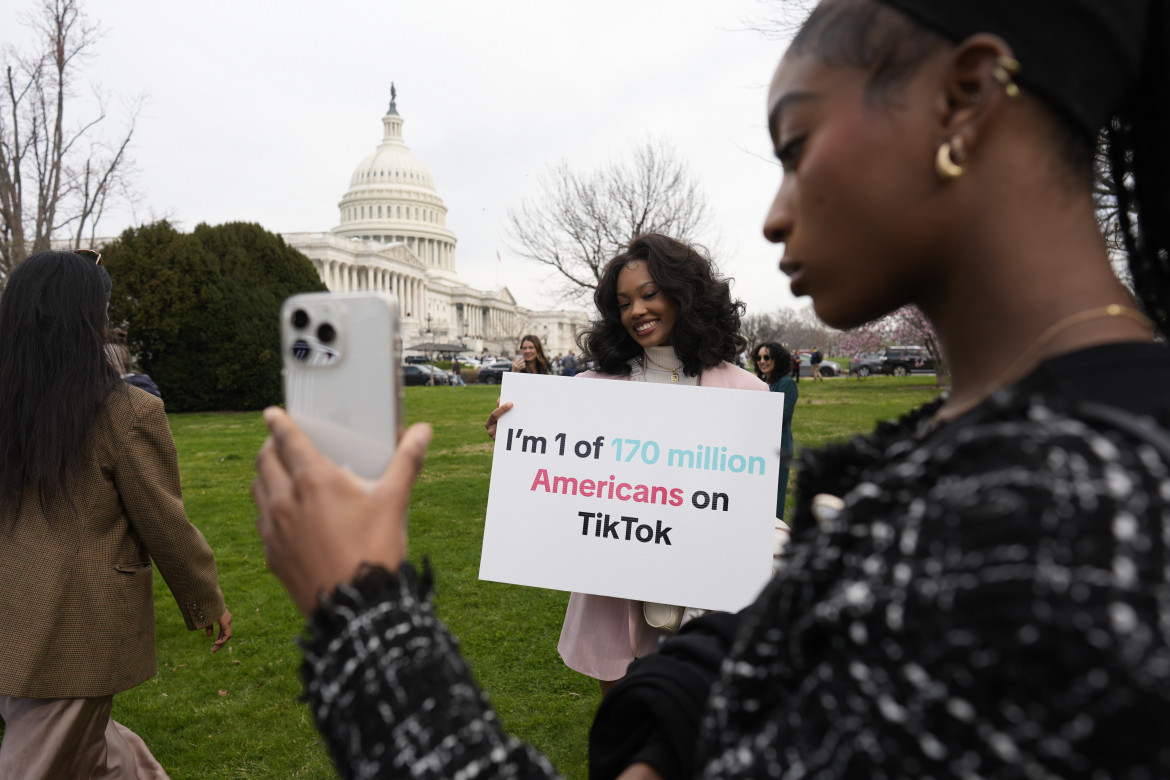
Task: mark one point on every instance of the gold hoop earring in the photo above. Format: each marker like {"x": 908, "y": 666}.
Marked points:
{"x": 1005, "y": 68}
{"x": 948, "y": 163}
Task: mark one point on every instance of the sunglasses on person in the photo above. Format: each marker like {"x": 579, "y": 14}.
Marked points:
{"x": 764, "y": 356}
{"x": 89, "y": 254}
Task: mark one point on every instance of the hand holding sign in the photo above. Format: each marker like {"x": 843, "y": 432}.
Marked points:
{"x": 494, "y": 418}
{"x": 618, "y": 499}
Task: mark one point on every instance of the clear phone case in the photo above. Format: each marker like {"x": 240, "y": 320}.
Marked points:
{"x": 342, "y": 384}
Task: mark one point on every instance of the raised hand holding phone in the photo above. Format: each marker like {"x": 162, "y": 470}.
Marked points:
{"x": 319, "y": 522}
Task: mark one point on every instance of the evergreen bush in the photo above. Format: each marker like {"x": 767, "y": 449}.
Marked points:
{"x": 202, "y": 310}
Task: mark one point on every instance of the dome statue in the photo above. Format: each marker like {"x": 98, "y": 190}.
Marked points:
{"x": 392, "y": 199}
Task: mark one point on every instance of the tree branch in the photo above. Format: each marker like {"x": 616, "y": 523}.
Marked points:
{"x": 579, "y": 221}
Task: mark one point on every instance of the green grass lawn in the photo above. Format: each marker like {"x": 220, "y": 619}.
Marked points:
{"x": 237, "y": 714}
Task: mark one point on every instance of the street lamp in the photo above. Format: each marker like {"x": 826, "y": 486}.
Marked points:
{"x": 430, "y": 360}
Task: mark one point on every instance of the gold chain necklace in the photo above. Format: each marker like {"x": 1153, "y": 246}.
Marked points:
{"x": 1021, "y": 364}
{"x": 673, "y": 371}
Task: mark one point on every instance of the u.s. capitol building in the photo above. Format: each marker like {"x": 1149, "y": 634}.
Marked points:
{"x": 393, "y": 236}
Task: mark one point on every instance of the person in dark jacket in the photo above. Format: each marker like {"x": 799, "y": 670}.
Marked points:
{"x": 128, "y": 369}
{"x": 569, "y": 364}
{"x": 773, "y": 364}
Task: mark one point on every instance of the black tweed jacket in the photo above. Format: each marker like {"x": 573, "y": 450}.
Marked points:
{"x": 994, "y": 600}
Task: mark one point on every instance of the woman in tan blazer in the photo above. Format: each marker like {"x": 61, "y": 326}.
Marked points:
{"x": 89, "y": 498}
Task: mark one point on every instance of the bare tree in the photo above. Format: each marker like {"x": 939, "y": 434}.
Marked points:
{"x": 801, "y": 329}
{"x": 1108, "y": 210}
{"x": 759, "y": 328}
{"x": 56, "y": 175}
{"x": 797, "y": 328}
{"x": 581, "y": 220}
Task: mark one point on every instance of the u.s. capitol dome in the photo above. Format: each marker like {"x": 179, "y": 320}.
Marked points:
{"x": 392, "y": 236}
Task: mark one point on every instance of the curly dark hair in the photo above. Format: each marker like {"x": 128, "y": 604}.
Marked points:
{"x": 782, "y": 363}
{"x": 706, "y": 328}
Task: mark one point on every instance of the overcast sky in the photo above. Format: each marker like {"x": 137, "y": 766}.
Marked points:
{"x": 260, "y": 111}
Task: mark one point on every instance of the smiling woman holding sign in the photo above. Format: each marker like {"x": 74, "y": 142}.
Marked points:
{"x": 981, "y": 589}
{"x": 667, "y": 317}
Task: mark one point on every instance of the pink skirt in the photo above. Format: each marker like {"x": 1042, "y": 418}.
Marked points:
{"x": 602, "y": 635}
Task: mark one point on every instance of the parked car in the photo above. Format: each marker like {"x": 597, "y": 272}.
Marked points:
{"x": 492, "y": 373}
{"x": 897, "y": 361}
{"x": 828, "y": 367}
{"x": 442, "y": 375}
{"x": 867, "y": 365}
{"x": 415, "y": 359}
{"x": 415, "y": 374}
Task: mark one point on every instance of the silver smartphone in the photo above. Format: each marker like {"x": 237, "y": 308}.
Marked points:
{"x": 341, "y": 354}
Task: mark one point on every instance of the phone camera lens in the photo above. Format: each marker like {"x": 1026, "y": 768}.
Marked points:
{"x": 301, "y": 349}
{"x": 300, "y": 319}
{"x": 326, "y": 334}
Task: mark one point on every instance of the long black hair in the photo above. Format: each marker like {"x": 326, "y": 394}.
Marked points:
{"x": 706, "y": 327}
{"x": 871, "y": 35}
{"x": 54, "y": 374}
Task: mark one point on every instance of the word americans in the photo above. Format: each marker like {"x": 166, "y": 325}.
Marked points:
{"x": 610, "y": 489}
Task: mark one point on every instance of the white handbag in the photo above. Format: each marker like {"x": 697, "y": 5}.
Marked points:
{"x": 666, "y": 617}
{"x": 671, "y": 617}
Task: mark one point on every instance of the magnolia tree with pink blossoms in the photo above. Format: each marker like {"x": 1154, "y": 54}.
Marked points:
{"x": 907, "y": 326}
{"x": 859, "y": 342}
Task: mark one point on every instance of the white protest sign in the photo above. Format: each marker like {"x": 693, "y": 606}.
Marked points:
{"x": 636, "y": 490}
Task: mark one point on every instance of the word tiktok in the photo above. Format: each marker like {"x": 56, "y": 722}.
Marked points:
{"x": 611, "y": 529}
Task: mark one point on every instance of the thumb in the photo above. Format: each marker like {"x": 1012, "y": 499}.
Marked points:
{"x": 395, "y": 484}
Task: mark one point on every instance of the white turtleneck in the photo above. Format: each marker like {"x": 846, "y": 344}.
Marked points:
{"x": 665, "y": 356}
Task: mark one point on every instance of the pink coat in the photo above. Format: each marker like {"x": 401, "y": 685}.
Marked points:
{"x": 601, "y": 634}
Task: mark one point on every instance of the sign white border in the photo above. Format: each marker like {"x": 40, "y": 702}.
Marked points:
{"x": 635, "y": 490}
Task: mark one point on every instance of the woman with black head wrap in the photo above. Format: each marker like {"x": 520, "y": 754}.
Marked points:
{"x": 979, "y": 589}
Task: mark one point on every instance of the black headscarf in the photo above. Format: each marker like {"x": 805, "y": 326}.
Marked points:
{"x": 1081, "y": 56}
